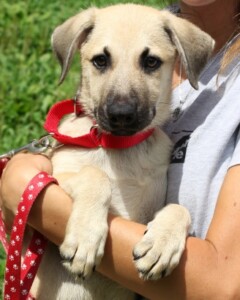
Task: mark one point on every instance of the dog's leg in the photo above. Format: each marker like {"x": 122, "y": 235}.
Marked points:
{"x": 87, "y": 228}
{"x": 161, "y": 247}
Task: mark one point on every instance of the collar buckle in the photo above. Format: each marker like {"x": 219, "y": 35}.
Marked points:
{"x": 96, "y": 135}
{"x": 77, "y": 106}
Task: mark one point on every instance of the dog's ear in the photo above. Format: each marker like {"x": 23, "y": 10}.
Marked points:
{"x": 193, "y": 45}
{"x": 69, "y": 36}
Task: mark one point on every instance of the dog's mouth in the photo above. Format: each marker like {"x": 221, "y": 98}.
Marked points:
{"x": 124, "y": 122}
{"x": 122, "y": 132}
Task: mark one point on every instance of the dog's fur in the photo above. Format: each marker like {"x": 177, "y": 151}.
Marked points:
{"x": 128, "y": 54}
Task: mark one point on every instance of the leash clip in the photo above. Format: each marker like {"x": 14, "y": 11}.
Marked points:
{"x": 36, "y": 146}
{"x": 41, "y": 145}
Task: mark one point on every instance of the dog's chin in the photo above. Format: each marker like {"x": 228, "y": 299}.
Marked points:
{"x": 123, "y": 132}
{"x": 118, "y": 131}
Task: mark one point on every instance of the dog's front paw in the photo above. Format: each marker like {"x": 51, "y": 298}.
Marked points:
{"x": 161, "y": 247}
{"x": 87, "y": 228}
{"x": 83, "y": 248}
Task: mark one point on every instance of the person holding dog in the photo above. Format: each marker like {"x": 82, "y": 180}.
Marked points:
{"x": 204, "y": 176}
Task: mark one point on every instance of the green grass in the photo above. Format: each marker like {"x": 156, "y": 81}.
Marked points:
{"x": 2, "y": 269}
{"x": 29, "y": 72}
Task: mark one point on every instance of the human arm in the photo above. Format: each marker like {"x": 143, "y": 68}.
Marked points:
{"x": 209, "y": 269}
{"x": 44, "y": 215}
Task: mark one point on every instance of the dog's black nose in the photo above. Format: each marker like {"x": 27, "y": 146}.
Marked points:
{"x": 121, "y": 114}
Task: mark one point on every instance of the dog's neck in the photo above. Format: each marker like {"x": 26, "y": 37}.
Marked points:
{"x": 94, "y": 138}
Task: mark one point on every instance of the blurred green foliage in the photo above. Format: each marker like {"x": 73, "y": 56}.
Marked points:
{"x": 29, "y": 71}
{"x": 2, "y": 269}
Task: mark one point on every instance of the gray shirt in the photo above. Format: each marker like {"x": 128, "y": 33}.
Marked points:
{"x": 206, "y": 136}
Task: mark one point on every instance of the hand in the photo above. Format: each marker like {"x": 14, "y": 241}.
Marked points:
{"x": 15, "y": 177}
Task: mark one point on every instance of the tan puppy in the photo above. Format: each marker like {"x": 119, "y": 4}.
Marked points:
{"x": 127, "y": 57}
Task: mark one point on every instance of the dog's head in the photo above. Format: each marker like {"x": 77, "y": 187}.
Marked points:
{"x": 127, "y": 56}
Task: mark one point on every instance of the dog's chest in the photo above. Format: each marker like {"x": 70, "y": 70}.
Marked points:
{"x": 137, "y": 174}
{"x": 138, "y": 182}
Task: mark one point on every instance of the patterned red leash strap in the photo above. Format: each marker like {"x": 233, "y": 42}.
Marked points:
{"x": 19, "y": 278}
{"x": 31, "y": 263}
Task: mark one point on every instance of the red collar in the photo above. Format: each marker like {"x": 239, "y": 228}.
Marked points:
{"x": 94, "y": 138}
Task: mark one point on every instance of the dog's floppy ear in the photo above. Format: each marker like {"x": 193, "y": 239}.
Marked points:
{"x": 193, "y": 45}
{"x": 69, "y": 36}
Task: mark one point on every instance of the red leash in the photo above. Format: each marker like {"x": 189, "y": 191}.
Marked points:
{"x": 19, "y": 275}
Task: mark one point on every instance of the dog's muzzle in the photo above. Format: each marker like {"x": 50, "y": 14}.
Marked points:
{"x": 124, "y": 115}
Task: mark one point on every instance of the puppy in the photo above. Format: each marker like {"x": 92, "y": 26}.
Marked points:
{"x": 127, "y": 54}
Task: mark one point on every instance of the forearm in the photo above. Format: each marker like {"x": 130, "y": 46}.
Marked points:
{"x": 194, "y": 278}
{"x": 50, "y": 213}
{"x": 117, "y": 263}
{"x": 209, "y": 269}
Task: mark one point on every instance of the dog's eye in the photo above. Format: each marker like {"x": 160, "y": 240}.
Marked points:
{"x": 151, "y": 63}
{"x": 100, "y": 61}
